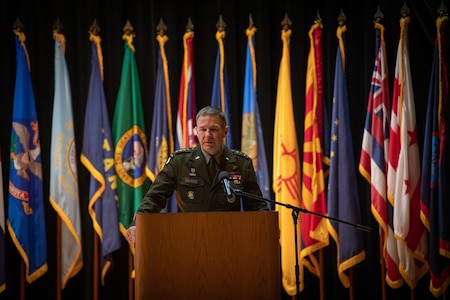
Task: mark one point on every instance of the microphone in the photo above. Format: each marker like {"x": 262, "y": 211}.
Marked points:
{"x": 223, "y": 177}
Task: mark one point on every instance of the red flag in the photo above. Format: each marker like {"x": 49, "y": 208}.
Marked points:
{"x": 374, "y": 157}
{"x": 314, "y": 229}
{"x": 404, "y": 171}
{"x": 186, "y": 100}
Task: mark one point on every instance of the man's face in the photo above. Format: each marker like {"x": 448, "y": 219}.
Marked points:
{"x": 211, "y": 133}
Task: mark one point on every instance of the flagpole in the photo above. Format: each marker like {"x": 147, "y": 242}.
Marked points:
{"x": 22, "y": 279}
{"x": 381, "y": 234}
{"x": 96, "y": 263}
{"x": 352, "y": 290}
{"x": 57, "y": 29}
{"x": 321, "y": 279}
{"x": 130, "y": 277}
{"x": 58, "y": 257}
{"x": 383, "y": 266}
{"x": 93, "y": 31}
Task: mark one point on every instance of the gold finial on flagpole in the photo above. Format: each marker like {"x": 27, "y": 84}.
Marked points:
{"x": 286, "y": 22}
{"x": 128, "y": 29}
{"x": 221, "y": 25}
{"x": 189, "y": 25}
{"x": 378, "y": 16}
{"x": 94, "y": 28}
{"x": 161, "y": 28}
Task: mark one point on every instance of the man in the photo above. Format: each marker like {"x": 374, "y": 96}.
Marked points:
{"x": 193, "y": 174}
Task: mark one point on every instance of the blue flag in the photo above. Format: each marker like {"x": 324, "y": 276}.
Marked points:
{"x": 220, "y": 90}
{"x": 252, "y": 135}
{"x": 161, "y": 139}
{"x": 26, "y": 215}
{"x": 63, "y": 169}
{"x": 435, "y": 207}
{"x": 343, "y": 201}
{"x": 98, "y": 157}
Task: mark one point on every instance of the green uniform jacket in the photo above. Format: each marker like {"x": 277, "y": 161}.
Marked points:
{"x": 186, "y": 173}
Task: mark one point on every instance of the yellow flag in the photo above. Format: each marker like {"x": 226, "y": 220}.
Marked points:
{"x": 286, "y": 168}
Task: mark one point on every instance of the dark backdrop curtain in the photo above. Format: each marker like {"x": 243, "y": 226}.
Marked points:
{"x": 38, "y": 16}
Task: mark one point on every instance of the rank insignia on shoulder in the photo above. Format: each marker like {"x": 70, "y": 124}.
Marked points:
{"x": 184, "y": 150}
{"x": 236, "y": 152}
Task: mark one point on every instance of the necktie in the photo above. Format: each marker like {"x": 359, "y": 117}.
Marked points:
{"x": 212, "y": 168}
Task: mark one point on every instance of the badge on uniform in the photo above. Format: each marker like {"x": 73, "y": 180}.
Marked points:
{"x": 236, "y": 178}
{"x": 191, "y": 195}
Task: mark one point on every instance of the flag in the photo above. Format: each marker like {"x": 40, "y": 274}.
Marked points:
{"x": 161, "y": 139}
{"x": 98, "y": 157}
{"x": 2, "y": 234}
{"x": 343, "y": 200}
{"x": 130, "y": 141}
{"x": 286, "y": 168}
{"x": 187, "y": 108}
{"x": 252, "y": 142}
{"x": 220, "y": 97}
{"x": 435, "y": 208}
{"x": 373, "y": 164}
{"x": 403, "y": 182}
{"x": 314, "y": 229}
{"x": 26, "y": 215}
{"x": 63, "y": 169}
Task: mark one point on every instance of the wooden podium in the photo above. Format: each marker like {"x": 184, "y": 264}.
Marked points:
{"x": 208, "y": 255}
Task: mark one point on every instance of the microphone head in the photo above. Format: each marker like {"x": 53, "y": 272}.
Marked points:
{"x": 223, "y": 175}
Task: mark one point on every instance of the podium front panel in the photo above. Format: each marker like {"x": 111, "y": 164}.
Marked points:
{"x": 208, "y": 255}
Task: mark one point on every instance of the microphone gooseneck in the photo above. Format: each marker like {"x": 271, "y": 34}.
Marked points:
{"x": 223, "y": 177}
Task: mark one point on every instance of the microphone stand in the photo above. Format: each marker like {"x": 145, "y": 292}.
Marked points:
{"x": 295, "y": 213}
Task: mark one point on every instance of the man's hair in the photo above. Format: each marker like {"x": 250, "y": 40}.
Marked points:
{"x": 212, "y": 111}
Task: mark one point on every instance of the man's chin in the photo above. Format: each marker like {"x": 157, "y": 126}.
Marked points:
{"x": 210, "y": 149}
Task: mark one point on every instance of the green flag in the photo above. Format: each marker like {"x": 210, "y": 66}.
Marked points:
{"x": 130, "y": 142}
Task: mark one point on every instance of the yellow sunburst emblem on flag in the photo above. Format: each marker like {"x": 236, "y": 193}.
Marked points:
{"x": 130, "y": 157}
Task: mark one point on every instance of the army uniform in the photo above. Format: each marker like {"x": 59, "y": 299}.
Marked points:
{"x": 186, "y": 173}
